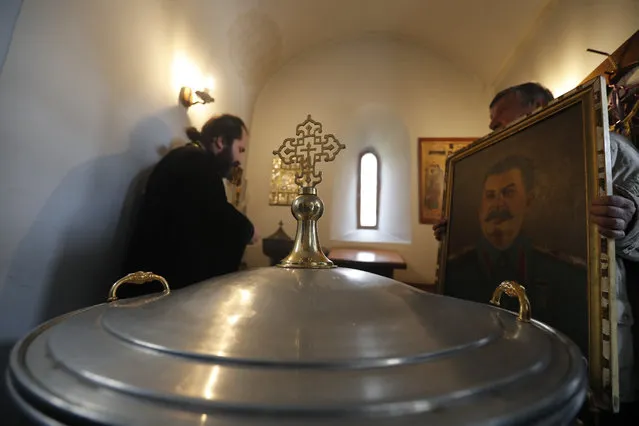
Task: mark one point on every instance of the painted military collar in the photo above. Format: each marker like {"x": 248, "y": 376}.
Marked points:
{"x": 522, "y": 244}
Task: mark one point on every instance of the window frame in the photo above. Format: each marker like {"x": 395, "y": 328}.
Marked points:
{"x": 359, "y": 188}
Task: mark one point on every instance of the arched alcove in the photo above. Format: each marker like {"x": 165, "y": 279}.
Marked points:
{"x": 371, "y": 92}
{"x": 378, "y": 128}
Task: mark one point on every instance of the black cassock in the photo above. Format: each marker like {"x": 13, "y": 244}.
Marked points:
{"x": 185, "y": 230}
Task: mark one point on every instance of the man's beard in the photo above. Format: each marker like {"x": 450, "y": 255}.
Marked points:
{"x": 225, "y": 164}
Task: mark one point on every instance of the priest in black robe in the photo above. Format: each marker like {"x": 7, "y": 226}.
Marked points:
{"x": 186, "y": 230}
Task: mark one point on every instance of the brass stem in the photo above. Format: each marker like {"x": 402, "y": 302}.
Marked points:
{"x": 307, "y": 208}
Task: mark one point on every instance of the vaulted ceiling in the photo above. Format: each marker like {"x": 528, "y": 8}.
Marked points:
{"x": 478, "y": 36}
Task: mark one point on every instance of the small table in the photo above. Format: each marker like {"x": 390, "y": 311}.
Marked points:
{"x": 380, "y": 262}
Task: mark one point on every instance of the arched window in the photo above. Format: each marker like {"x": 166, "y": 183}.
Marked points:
{"x": 368, "y": 181}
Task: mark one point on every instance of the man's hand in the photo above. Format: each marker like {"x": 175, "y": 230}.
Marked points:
{"x": 613, "y": 214}
{"x": 256, "y": 236}
{"x": 439, "y": 229}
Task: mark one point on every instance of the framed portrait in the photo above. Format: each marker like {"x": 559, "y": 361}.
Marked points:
{"x": 433, "y": 153}
{"x": 517, "y": 203}
{"x": 283, "y": 187}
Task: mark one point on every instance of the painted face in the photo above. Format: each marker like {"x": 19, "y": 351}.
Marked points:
{"x": 508, "y": 109}
{"x": 503, "y": 208}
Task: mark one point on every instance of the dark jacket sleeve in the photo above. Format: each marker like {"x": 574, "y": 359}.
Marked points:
{"x": 187, "y": 231}
{"x": 220, "y": 231}
{"x": 206, "y": 190}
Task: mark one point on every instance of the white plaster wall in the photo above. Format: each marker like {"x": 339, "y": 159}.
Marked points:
{"x": 555, "y": 53}
{"x": 372, "y": 90}
{"x": 381, "y": 128}
{"x": 88, "y": 99}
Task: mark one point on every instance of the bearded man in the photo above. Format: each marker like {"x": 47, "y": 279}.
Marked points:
{"x": 186, "y": 230}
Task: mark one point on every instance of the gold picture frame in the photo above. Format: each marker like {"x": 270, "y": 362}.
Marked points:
{"x": 565, "y": 265}
{"x": 283, "y": 187}
{"x": 432, "y": 156}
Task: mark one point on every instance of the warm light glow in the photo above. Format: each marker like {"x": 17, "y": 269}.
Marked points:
{"x": 209, "y": 83}
{"x": 564, "y": 86}
{"x": 245, "y": 296}
{"x": 562, "y": 78}
{"x": 364, "y": 256}
{"x": 233, "y": 319}
{"x": 368, "y": 190}
{"x": 240, "y": 306}
{"x": 210, "y": 384}
{"x": 185, "y": 73}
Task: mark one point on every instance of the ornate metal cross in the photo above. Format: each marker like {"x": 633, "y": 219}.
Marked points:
{"x": 307, "y": 149}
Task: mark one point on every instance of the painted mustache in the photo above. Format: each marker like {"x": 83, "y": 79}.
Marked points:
{"x": 498, "y": 216}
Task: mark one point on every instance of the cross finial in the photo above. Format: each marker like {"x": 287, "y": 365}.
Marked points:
{"x": 306, "y": 150}
{"x": 309, "y": 148}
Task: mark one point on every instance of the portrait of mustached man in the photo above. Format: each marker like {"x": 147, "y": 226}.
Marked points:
{"x": 505, "y": 252}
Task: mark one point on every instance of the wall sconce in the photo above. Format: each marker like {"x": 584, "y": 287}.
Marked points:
{"x": 186, "y": 97}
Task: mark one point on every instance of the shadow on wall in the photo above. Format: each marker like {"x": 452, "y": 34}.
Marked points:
{"x": 73, "y": 251}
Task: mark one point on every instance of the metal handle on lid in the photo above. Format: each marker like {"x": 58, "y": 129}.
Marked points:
{"x": 513, "y": 289}
{"x": 137, "y": 278}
